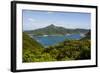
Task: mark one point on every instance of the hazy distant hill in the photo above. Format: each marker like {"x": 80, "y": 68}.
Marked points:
{"x": 87, "y": 35}
{"x": 53, "y": 30}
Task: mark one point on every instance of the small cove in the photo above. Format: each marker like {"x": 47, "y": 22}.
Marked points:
{"x": 50, "y": 40}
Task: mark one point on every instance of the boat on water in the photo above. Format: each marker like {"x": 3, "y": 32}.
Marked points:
{"x": 82, "y": 35}
{"x": 68, "y": 34}
{"x": 45, "y": 35}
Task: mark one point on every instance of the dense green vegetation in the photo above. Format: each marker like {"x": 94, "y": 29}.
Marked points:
{"x": 32, "y": 50}
{"x": 56, "y": 30}
{"x": 67, "y": 50}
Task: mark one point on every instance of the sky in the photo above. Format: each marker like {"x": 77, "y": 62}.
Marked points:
{"x": 39, "y": 19}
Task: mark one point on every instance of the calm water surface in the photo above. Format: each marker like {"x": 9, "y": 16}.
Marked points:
{"x": 52, "y": 40}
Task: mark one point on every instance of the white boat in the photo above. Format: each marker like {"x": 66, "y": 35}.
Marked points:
{"x": 82, "y": 35}
{"x": 68, "y": 34}
{"x": 45, "y": 35}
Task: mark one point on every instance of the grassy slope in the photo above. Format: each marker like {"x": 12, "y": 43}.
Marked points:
{"x": 30, "y": 43}
{"x": 30, "y": 47}
{"x": 33, "y": 51}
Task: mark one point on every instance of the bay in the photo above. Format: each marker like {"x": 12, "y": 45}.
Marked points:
{"x": 49, "y": 40}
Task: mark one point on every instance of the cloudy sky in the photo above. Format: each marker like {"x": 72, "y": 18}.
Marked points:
{"x": 38, "y": 19}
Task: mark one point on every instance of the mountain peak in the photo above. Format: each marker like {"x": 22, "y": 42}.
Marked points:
{"x": 51, "y": 26}
{"x": 54, "y": 29}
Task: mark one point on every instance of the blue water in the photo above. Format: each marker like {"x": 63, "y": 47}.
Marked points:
{"x": 52, "y": 40}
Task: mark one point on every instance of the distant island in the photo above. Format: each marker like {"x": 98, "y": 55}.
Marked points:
{"x": 56, "y": 30}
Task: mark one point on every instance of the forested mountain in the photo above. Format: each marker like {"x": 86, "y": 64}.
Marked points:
{"x": 56, "y": 30}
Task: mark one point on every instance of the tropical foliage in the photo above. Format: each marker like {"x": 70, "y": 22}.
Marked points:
{"x": 66, "y": 50}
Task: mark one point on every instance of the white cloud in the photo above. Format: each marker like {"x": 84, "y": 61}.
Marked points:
{"x": 31, "y": 20}
{"x": 49, "y": 12}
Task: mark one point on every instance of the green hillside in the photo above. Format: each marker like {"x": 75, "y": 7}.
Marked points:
{"x": 30, "y": 42}
{"x": 32, "y": 50}
{"x": 66, "y": 50}
{"x": 56, "y": 30}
